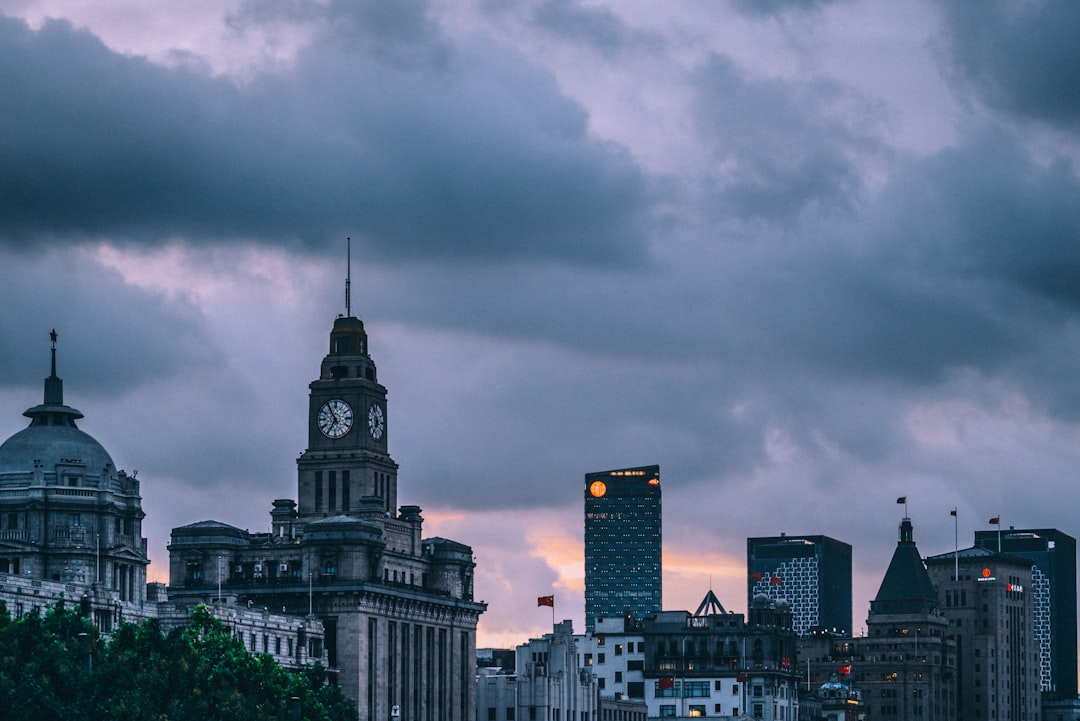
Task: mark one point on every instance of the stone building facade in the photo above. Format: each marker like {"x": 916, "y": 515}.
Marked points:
{"x": 987, "y": 597}
{"x": 71, "y": 533}
{"x": 67, "y": 513}
{"x": 906, "y": 665}
{"x": 397, "y": 608}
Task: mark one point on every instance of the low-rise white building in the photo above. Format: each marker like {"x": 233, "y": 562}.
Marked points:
{"x": 706, "y": 664}
{"x": 553, "y": 684}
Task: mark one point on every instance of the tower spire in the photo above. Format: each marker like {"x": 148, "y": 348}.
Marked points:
{"x": 54, "y": 387}
{"x": 348, "y": 277}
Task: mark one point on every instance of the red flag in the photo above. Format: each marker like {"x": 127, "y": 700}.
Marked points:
{"x": 952, "y": 512}
{"x": 846, "y": 670}
{"x": 776, "y": 581}
{"x": 545, "y": 601}
{"x": 785, "y": 662}
{"x": 666, "y": 682}
{"x": 996, "y": 520}
{"x": 756, "y": 575}
{"x": 742, "y": 678}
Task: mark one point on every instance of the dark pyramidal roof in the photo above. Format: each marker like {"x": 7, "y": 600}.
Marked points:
{"x": 906, "y": 588}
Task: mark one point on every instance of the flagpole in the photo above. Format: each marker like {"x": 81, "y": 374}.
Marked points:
{"x": 956, "y": 543}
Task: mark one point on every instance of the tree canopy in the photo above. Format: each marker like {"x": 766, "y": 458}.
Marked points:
{"x": 56, "y": 667}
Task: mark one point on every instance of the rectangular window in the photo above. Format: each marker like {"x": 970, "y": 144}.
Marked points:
{"x": 331, "y": 491}
{"x": 697, "y": 711}
{"x": 666, "y": 688}
{"x": 318, "y": 490}
{"x": 697, "y": 689}
{"x": 599, "y": 658}
{"x": 667, "y": 711}
{"x": 345, "y": 491}
{"x": 74, "y": 519}
{"x": 509, "y": 713}
{"x": 618, "y": 649}
{"x": 618, "y": 677}
{"x": 492, "y": 715}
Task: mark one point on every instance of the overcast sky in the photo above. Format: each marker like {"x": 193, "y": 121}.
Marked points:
{"x": 808, "y": 256}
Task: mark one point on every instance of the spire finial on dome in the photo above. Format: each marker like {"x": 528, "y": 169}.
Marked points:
{"x": 54, "y": 387}
{"x": 52, "y": 411}
{"x": 52, "y": 335}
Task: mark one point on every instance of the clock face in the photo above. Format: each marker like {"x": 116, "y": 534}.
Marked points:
{"x": 376, "y": 422}
{"x": 598, "y": 488}
{"x": 335, "y": 418}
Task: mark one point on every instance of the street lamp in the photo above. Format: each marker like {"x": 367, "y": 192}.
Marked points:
{"x": 84, "y": 640}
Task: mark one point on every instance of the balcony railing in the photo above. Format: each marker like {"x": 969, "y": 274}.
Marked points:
{"x": 73, "y": 534}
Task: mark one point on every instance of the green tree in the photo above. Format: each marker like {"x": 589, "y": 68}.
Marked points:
{"x": 55, "y": 667}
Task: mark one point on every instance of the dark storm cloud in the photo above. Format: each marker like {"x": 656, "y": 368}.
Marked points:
{"x": 966, "y": 259}
{"x": 780, "y": 147}
{"x": 598, "y": 28}
{"x": 1020, "y": 57}
{"x": 776, "y": 7}
{"x": 961, "y": 267}
{"x": 400, "y": 34}
{"x": 985, "y": 210}
{"x": 476, "y": 156}
{"x": 114, "y": 337}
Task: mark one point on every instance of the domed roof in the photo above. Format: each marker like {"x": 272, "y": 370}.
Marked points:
{"x": 52, "y": 439}
{"x": 52, "y": 445}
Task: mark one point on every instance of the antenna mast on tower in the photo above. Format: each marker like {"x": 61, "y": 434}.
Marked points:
{"x": 348, "y": 277}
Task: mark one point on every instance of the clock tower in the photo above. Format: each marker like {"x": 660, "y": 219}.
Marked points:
{"x": 346, "y": 466}
{"x": 396, "y": 608}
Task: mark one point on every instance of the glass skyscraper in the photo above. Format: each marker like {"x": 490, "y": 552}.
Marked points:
{"x": 623, "y": 571}
{"x": 811, "y": 573}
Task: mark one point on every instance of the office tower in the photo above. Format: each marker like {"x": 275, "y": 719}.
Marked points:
{"x": 1053, "y": 557}
{"x": 811, "y": 573}
{"x": 985, "y": 595}
{"x": 622, "y": 543}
